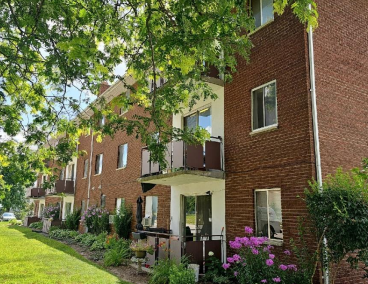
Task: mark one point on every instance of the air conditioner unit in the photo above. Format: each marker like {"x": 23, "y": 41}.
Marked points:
{"x": 111, "y": 219}
{"x": 147, "y": 222}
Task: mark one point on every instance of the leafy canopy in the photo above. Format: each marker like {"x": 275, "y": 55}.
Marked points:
{"x": 47, "y": 47}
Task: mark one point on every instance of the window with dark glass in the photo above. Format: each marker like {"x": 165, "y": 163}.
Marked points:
{"x": 98, "y": 165}
{"x": 264, "y": 106}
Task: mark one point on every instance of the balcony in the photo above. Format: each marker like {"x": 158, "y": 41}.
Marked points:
{"x": 186, "y": 164}
{"x": 35, "y": 193}
{"x": 63, "y": 186}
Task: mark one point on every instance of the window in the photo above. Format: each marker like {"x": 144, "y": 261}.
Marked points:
{"x": 124, "y": 109}
{"x": 83, "y": 206}
{"x": 201, "y": 118}
{"x": 62, "y": 173}
{"x": 88, "y": 132}
{"x": 264, "y": 106}
{"x": 98, "y": 165}
{"x": 119, "y": 203}
{"x": 44, "y": 179}
{"x": 40, "y": 213}
{"x": 85, "y": 168}
{"x": 103, "y": 200}
{"x": 123, "y": 156}
{"x": 151, "y": 209}
{"x": 68, "y": 209}
{"x": 262, "y": 11}
{"x": 71, "y": 172}
{"x": 268, "y": 213}
{"x": 101, "y": 122}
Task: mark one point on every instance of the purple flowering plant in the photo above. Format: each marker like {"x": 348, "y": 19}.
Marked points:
{"x": 96, "y": 219}
{"x": 254, "y": 262}
{"x": 51, "y": 211}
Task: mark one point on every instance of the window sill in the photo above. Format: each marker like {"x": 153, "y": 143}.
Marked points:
{"x": 97, "y": 174}
{"x": 264, "y": 129}
{"x": 84, "y": 177}
{"x": 277, "y": 243}
{"x": 118, "y": 169}
{"x": 261, "y": 27}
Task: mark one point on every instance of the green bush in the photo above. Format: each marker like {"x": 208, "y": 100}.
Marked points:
{"x": 86, "y": 239}
{"x": 72, "y": 220}
{"x": 119, "y": 251}
{"x": 36, "y": 225}
{"x": 60, "y": 234}
{"x": 100, "y": 242}
{"x": 15, "y": 222}
{"x": 53, "y": 228}
{"x": 339, "y": 213}
{"x": 96, "y": 220}
{"x": 123, "y": 221}
{"x": 180, "y": 274}
{"x": 168, "y": 272}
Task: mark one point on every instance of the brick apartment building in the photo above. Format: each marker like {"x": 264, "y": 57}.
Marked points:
{"x": 263, "y": 147}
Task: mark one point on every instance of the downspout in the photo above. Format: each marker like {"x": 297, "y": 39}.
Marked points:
{"x": 90, "y": 170}
{"x": 315, "y": 125}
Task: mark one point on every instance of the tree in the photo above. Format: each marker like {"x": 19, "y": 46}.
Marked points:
{"x": 17, "y": 174}
{"x": 339, "y": 212}
{"x": 49, "y": 46}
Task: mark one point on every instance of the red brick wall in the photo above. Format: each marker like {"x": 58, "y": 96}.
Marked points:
{"x": 281, "y": 158}
{"x": 341, "y": 64}
{"x": 120, "y": 183}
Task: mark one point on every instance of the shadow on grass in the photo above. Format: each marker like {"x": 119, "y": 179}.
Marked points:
{"x": 59, "y": 246}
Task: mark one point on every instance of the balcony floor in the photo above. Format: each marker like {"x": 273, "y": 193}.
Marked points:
{"x": 183, "y": 177}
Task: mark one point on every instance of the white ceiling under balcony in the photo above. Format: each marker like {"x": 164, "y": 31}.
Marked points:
{"x": 183, "y": 177}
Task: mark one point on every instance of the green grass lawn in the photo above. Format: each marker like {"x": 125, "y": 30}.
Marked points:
{"x": 27, "y": 257}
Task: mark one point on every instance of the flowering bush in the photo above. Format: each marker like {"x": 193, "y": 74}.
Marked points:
{"x": 254, "y": 262}
{"x": 141, "y": 245}
{"x": 96, "y": 220}
{"x": 51, "y": 212}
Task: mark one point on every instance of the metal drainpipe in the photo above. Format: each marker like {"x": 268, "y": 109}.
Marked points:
{"x": 315, "y": 125}
{"x": 90, "y": 169}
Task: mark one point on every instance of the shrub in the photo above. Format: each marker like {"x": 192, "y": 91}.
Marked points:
{"x": 254, "y": 262}
{"x": 72, "y": 220}
{"x": 51, "y": 212}
{"x": 118, "y": 253}
{"x": 100, "y": 242}
{"x": 61, "y": 234}
{"x": 53, "y": 228}
{"x": 86, "y": 239}
{"x": 339, "y": 213}
{"x": 15, "y": 222}
{"x": 180, "y": 274}
{"x": 96, "y": 219}
{"x": 167, "y": 271}
{"x": 123, "y": 221}
{"x": 36, "y": 225}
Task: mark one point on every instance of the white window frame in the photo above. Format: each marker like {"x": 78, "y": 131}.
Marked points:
{"x": 197, "y": 111}
{"x": 119, "y": 202}
{"x": 149, "y": 202}
{"x": 121, "y": 157}
{"x": 100, "y": 163}
{"x": 275, "y": 125}
{"x": 274, "y": 241}
{"x": 261, "y": 8}
{"x": 85, "y": 168}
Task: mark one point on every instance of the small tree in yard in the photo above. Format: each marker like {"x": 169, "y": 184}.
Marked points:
{"x": 339, "y": 211}
{"x": 123, "y": 221}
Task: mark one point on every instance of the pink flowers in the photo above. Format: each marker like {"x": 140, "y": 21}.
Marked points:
{"x": 225, "y": 266}
{"x": 277, "y": 279}
{"x": 272, "y": 256}
{"x": 235, "y": 244}
{"x": 264, "y": 281}
{"x": 248, "y": 230}
{"x": 283, "y": 267}
{"x": 287, "y": 252}
{"x": 255, "y": 251}
{"x": 236, "y": 257}
{"x": 269, "y": 262}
